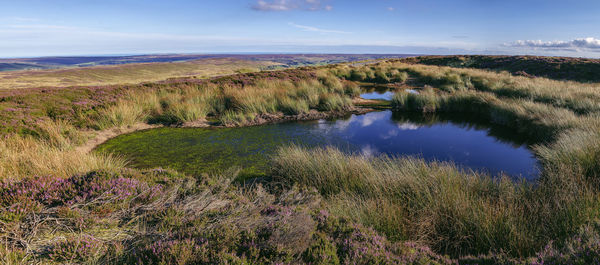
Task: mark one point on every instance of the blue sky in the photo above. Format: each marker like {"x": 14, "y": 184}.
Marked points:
{"x": 84, "y": 27}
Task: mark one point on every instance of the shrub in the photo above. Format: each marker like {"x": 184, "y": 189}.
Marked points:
{"x": 78, "y": 249}
{"x": 293, "y": 107}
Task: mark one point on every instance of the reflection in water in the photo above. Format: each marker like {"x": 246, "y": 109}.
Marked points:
{"x": 376, "y": 95}
{"x": 467, "y": 142}
{"x": 377, "y": 91}
{"x": 382, "y": 92}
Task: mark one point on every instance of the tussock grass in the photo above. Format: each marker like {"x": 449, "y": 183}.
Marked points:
{"x": 231, "y": 104}
{"x": 408, "y": 199}
{"x": 466, "y": 213}
{"x": 579, "y": 97}
{"x": 48, "y": 146}
{"x": 456, "y": 212}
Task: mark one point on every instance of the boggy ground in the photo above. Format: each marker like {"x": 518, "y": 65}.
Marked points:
{"x": 62, "y": 204}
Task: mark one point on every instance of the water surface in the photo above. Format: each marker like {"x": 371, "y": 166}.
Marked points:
{"x": 467, "y": 142}
{"x": 387, "y": 95}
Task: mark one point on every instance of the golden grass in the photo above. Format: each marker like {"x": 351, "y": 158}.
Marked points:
{"x": 54, "y": 153}
{"x": 25, "y": 156}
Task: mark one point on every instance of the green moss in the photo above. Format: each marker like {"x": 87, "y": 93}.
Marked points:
{"x": 197, "y": 151}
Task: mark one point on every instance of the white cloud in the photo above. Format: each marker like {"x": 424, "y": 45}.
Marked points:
{"x": 315, "y": 29}
{"x": 588, "y": 44}
{"x": 21, "y": 19}
{"x": 287, "y": 5}
{"x": 368, "y": 120}
{"x": 368, "y": 150}
{"x": 390, "y": 8}
{"x": 408, "y": 126}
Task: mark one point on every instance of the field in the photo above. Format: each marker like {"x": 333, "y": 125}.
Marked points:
{"x": 64, "y": 204}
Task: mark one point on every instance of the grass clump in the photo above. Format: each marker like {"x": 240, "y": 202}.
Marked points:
{"x": 329, "y": 102}
{"x": 232, "y": 104}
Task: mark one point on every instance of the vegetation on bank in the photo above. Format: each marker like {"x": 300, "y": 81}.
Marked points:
{"x": 318, "y": 206}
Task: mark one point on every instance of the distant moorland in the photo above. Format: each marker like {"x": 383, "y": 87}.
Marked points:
{"x": 95, "y": 71}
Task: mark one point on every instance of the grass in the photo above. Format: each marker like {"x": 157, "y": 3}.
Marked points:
{"x": 46, "y": 126}
{"x": 317, "y": 206}
{"x": 231, "y": 104}
{"x": 161, "y": 217}
{"x": 407, "y": 199}
{"x": 53, "y": 152}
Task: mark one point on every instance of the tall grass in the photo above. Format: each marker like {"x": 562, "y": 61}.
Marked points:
{"x": 533, "y": 119}
{"x": 579, "y": 97}
{"x": 231, "y": 104}
{"x": 50, "y": 145}
{"x": 53, "y": 153}
{"x": 454, "y": 211}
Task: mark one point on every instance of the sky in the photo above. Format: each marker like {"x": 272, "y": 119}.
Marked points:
{"x": 30, "y": 28}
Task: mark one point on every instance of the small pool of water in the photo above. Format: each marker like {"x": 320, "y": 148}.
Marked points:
{"x": 466, "y": 142}
{"x": 387, "y": 95}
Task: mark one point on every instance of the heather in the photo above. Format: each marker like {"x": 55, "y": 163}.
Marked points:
{"x": 162, "y": 217}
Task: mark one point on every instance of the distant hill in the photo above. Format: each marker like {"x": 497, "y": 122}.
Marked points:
{"x": 563, "y": 68}
{"x": 288, "y": 60}
{"x": 21, "y": 66}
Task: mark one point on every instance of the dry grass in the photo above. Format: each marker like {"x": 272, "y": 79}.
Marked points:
{"x": 231, "y": 104}
{"x": 53, "y": 153}
{"x": 454, "y": 212}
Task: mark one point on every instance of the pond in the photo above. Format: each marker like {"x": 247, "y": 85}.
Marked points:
{"x": 465, "y": 141}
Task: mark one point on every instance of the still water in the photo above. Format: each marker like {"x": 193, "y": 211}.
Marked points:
{"x": 467, "y": 142}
